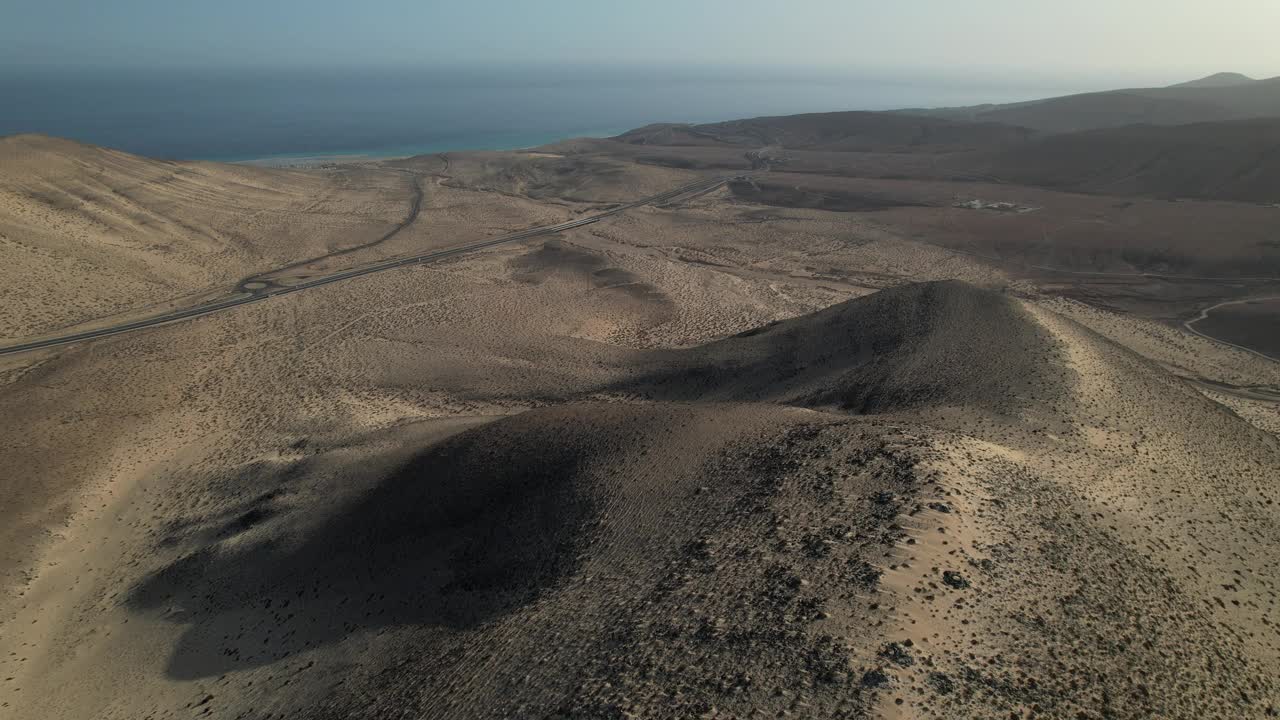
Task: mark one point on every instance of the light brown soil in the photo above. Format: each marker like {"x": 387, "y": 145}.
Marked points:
{"x": 715, "y": 458}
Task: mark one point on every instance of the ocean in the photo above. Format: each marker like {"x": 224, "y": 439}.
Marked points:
{"x": 240, "y": 115}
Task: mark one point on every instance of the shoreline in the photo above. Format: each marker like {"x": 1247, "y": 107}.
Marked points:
{"x": 508, "y": 142}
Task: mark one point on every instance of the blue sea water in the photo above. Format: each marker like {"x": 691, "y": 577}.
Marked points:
{"x": 241, "y": 114}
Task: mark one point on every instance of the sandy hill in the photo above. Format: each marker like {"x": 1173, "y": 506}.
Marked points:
{"x": 1235, "y": 160}
{"x": 584, "y": 560}
{"x": 659, "y": 466}
{"x": 1083, "y": 424}
{"x": 88, "y": 231}
{"x": 936, "y": 494}
{"x": 1176, "y": 105}
{"x": 837, "y": 131}
{"x": 923, "y": 345}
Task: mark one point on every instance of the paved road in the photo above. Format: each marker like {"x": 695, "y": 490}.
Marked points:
{"x": 246, "y": 295}
{"x": 1205, "y": 313}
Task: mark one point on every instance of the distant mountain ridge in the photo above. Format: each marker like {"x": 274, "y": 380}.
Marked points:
{"x": 855, "y": 131}
{"x": 1220, "y": 97}
{"x": 1222, "y": 79}
{"x": 1232, "y": 160}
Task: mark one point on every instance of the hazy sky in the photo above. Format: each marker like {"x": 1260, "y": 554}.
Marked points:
{"x": 1117, "y": 40}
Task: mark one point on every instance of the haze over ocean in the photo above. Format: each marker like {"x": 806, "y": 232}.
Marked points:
{"x": 240, "y": 114}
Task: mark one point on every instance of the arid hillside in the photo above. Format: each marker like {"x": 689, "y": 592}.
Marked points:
{"x": 1238, "y": 160}
{"x": 1177, "y": 105}
{"x": 941, "y": 344}
{"x": 90, "y": 232}
{"x": 804, "y": 442}
{"x": 1088, "y": 214}
{"x": 1016, "y": 518}
{"x": 838, "y": 132}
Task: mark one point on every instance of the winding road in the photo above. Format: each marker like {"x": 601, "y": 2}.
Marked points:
{"x": 260, "y": 287}
{"x": 1205, "y": 313}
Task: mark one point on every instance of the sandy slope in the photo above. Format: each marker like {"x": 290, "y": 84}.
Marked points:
{"x": 1237, "y": 160}
{"x": 668, "y": 560}
{"x": 687, "y": 462}
{"x": 1143, "y": 535}
{"x": 89, "y": 232}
